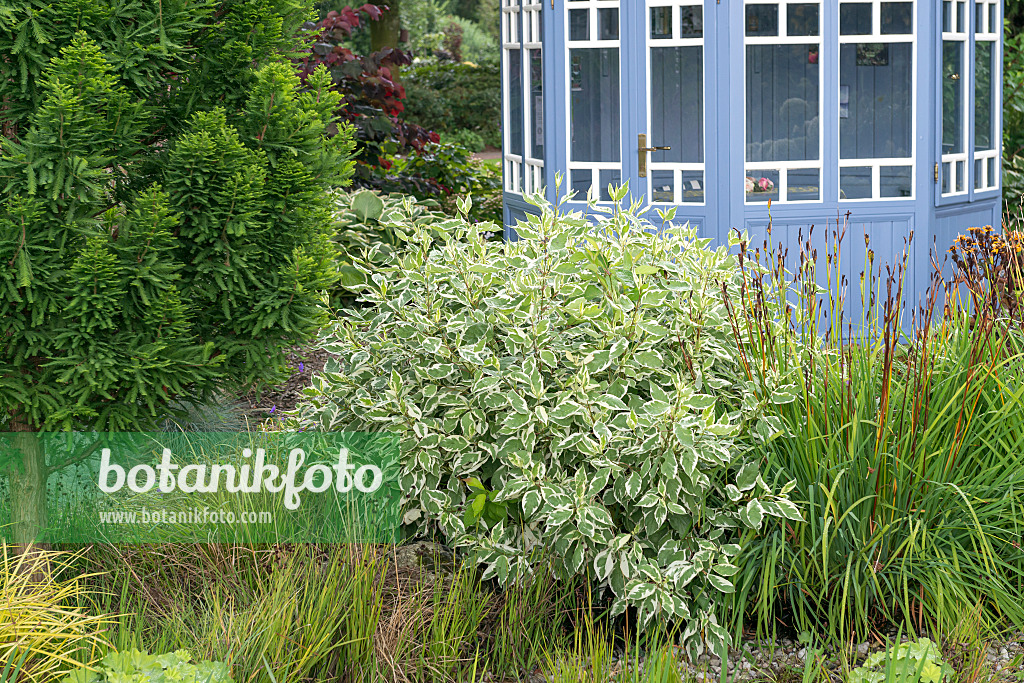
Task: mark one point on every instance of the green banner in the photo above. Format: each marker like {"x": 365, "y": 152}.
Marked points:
{"x": 199, "y": 487}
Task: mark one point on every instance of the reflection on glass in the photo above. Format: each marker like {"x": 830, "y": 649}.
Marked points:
{"x": 979, "y": 181}
{"x": 515, "y": 101}
{"x": 693, "y": 186}
{"x": 537, "y": 104}
{"x": 802, "y": 19}
{"x": 608, "y": 178}
{"x": 691, "y": 22}
{"x": 947, "y": 16}
{"x": 782, "y": 103}
{"x": 947, "y": 170}
{"x": 579, "y": 24}
{"x": 855, "y": 183}
{"x": 677, "y": 103}
{"x": 762, "y": 185}
{"x": 608, "y": 18}
{"x": 983, "y": 112}
{"x": 762, "y": 20}
{"x": 961, "y": 173}
{"x": 879, "y": 113}
{"x": 803, "y": 184}
{"x": 993, "y": 179}
{"x": 661, "y": 22}
{"x": 993, "y": 27}
{"x": 952, "y": 97}
{"x": 855, "y": 19}
{"x": 979, "y": 18}
{"x": 663, "y": 186}
{"x": 594, "y": 104}
{"x": 895, "y": 181}
{"x": 897, "y": 18}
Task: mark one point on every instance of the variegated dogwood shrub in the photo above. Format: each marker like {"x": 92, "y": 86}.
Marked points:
{"x": 577, "y": 394}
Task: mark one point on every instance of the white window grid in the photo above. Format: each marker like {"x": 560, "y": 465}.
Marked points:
{"x": 876, "y": 164}
{"x": 510, "y": 23}
{"x": 988, "y": 28}
{"x": 955, "y": 20}
{"x": 593, "y": 7}
{"x": 677, "y": 169}
{"x": 532, "y": 40}
{"x": 783, "y": 168}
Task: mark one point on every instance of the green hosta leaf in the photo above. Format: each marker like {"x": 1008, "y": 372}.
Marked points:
{"x": 368, "y": 206}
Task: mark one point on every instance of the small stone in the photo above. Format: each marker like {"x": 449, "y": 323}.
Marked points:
{"x": 862, "y": 649}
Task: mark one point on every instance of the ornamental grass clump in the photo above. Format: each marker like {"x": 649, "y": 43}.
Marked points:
{"x": 576, "y": 394}
{"x": 905, "y": 443}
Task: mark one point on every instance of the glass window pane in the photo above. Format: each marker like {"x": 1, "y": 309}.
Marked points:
{"x": 855, "y": 183}
{"x": 961, "y": 174}
{"x": 693, "y": 186}
{"x": 609, "y": 20}
{"x": 802, "y": 19}
{"x": 594, "y": 104}
{"x": 979, "y": 180}
{"x": 782, "y": 102}
{"x": 952, "y": 97}
{"x": 537, "y": 104}
{"x": 579, "y": 24}
{"x": 677, "y": 103}
{"x": 609, "y": 177}
{"x": 983, "y": 112}
{"x": 661, "y": 22}
{"x": 580, "y": 181}
{"x": 897, "y": 18}
{"x": 895, "y": 181}
{"x": 876, "y": 84}
{"x": 803, "y": 184}
{"x": 947, "y": 16}
{"x": 515, "y": 101}
{"x": 663, "y": 184}
{"x": 993, "y": 178}
{"x": 691, "y": 22}
{"x": 855, "y": 19}
{"x": 762, "y": 20}
{"x": 993, "y": 27}
{"x": 947, "y": 171}
{"x": 979, "y": 18}
{"x": 762, "y": 185}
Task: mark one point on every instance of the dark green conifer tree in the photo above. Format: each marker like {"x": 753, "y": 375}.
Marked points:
{"x": 165, "y": 212}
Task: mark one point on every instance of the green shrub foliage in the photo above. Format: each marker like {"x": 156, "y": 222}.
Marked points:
{"x": 166, "y": 208}
{"x": 450, "y": 97}
{"x": 578, "y": 391}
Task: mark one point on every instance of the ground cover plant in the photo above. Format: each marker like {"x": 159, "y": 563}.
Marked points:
{"x": 576, "y": 391}
{"x": 166, "y": 213}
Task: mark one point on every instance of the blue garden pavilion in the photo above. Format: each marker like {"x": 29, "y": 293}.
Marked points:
{"x": 888, "y": 111}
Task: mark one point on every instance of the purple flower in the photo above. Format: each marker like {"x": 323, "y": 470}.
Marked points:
{"x": 302, "y": 367}
{"x": 272, "y": 409}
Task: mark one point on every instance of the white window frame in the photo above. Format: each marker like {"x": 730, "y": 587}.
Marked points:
{"x": 532, "y": 40}
{"x": 958, "y": 33}
{"x": 510, "y": 25}
{"x": 991, "y": 13}
{"x": 595, "y": 167}
{"x": 784, "y": 167}
{"x": 676, "y": 168}
{"x": 876, "y": 163}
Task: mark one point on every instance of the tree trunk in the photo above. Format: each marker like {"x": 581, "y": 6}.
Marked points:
{"x": 385, "y": 31}
{"x": 28, "y": 486}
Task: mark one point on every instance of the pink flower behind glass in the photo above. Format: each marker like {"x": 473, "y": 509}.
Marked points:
{"x": 765, "y": 184}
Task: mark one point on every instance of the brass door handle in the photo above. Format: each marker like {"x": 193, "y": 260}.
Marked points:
{"x": 643, "y": 149}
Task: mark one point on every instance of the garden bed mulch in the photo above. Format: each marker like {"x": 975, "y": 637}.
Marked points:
{"x": 272, "y": 401}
